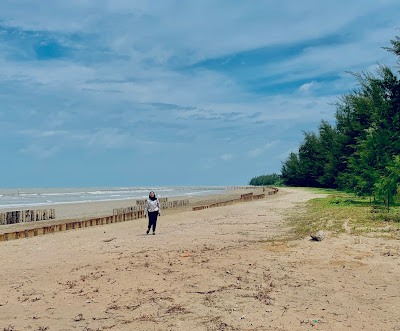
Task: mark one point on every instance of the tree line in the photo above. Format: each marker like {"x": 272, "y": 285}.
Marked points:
{"x": 264, "y": 180}
{"x": 361, "y": 151}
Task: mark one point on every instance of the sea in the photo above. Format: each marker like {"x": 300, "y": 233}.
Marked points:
{"x": 36, "y": 197}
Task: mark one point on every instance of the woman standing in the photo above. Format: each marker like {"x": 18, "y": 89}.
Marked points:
{"x": 153, "y": 209}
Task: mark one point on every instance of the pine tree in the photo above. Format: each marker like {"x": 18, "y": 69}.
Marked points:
{"x": 290, "y": 171}
{"x": 311, "y": 160}
{"x": 357, "y": 153}
{"x": 389, "y": 184}
{"x": 328, "y": 137}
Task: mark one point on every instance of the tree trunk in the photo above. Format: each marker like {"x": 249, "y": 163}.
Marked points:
{"x": 388, "y": 203}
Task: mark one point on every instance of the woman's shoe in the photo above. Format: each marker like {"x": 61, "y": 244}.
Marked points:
{"x": 147, "y": 232}
{"x": 154, "y": 233}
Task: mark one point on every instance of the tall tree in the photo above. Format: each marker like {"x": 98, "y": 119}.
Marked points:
{"x": 311, "y": 160}
{"x": 389, "y": 184}
{"x": 328, "y": 137}
{"x": 357, "y": 152}
{"x": 290, "y": 171}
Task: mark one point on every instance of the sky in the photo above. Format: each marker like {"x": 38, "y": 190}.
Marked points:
{"x": 155, "y": 93}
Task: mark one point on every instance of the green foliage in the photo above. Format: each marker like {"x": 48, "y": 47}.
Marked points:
{"x": 360, "y": 152}
{"x": 272, "y": 179}
{"x": 312, "y": 160}
{"x": 389, "y": 184}
{"x": 328, "y": 138}
{"x": 395, "y": 49}
{"x": 291, "y": 171}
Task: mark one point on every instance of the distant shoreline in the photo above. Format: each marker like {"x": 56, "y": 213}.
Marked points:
{"x": 40, "y": 198}
{"x": 88, "y": 210}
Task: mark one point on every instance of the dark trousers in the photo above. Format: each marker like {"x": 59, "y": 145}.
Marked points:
{"x": 153, "y": 220}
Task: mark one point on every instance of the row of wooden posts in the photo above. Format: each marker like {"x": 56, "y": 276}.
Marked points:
{"x": 22, "y": 216}
{"x": 125, "y": 214}
{"x": 243, "y": 198}
{"x": 140, "y": 205}
{"x": 119, "y": 215}
{"x": 275, "y": 190}
{"x": 230, "y": 202}
{"x": 143, "y": 202}
{"x": 70, "y": 225}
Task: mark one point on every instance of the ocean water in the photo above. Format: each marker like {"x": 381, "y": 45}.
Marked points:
{"x": 31, "y": 197}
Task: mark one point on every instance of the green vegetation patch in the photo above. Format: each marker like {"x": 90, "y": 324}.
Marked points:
{"x": 341, "y": 212}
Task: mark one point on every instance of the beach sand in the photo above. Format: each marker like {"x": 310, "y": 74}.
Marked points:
{"x": 88, "y": 210}
{"x": 215, "y": 269}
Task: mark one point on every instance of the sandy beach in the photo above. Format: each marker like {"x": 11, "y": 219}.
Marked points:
{"x": 216, "y": 269}
{"x": 90, "y": 210}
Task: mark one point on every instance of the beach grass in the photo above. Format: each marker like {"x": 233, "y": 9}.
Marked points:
{"x": 340, "y": 212}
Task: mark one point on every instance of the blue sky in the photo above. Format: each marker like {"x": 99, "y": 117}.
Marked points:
{"x": 131, "y": 93}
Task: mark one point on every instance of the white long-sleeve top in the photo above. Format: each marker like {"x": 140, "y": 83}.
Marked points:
{"x": 152, "y": 205}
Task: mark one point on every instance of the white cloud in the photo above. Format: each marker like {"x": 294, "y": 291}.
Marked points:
{"x": 261, "y": 150}
{"x": 39, "y": 152}
{"x": 334, "y": 59}
{"x": 168, "y": 28}
{"x": 146, "y": 37}
{"x": 256, "y": 152}
{"x": 226, "y": 157}
{"x": 126, "y": 56}
{"x": 308, "y": 86}
{"x": 53, "y": 133}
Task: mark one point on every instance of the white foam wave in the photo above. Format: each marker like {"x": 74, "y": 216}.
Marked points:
{"x": 83, "y": 195}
